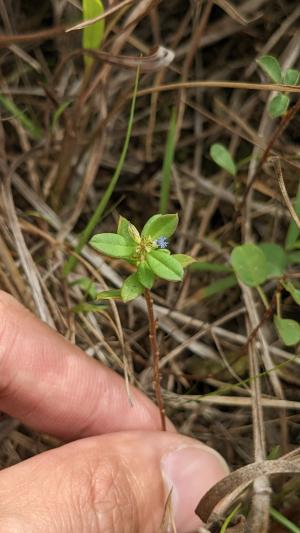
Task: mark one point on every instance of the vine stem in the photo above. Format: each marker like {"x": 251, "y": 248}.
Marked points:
{"x": 155, "y": 357}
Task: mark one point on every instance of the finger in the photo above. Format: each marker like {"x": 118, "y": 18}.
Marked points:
{"x": 51, "y": 385}
{"x": 114, "y": 483}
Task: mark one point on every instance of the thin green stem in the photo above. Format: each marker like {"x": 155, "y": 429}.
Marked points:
{"x": 263, "y": 297}
{"x": 167, "y": 164}
{"x": 88, "y": 230}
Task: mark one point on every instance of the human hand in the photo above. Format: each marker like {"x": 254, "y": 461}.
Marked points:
{"x": 116, "y": 482}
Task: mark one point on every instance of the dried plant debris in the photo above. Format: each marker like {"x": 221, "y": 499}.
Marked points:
{"x": 170, "y": 107}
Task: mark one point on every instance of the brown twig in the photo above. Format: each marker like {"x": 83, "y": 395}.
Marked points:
{"x": 280, "y": 179}
{"x": 155, "y": 357}
{"x": 286, "y": 119}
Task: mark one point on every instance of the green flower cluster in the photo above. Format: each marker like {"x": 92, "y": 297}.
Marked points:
{"x": 146, "y": 251}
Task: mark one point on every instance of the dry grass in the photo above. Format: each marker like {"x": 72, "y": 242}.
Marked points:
{"x": 55, "y": 170}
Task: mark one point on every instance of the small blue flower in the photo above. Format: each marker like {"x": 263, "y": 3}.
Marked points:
{"x": 162, "y": 242}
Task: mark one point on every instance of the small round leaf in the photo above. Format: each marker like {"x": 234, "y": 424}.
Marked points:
{"x": 276, "y": 258}
{"x": 222, "y": 158}
{"x": 250, "y": 264}
{"x": 291, "y": 77}
{"x": 278, "y": 105}
{"x": 288, "y": 330}
{"x": 160, "y": 226}
{"x": 271, "y": 67}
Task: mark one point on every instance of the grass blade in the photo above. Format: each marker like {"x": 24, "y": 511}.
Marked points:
{"x": 229, "y": 518}
{"x": 96, "y": 217}
{"x": 218, "y": 286}
{"x": 33, "y": 129}
{"x": 289, "y": 526}
{"x": 203, "y": 266}
{"x": 167, "y": 164}
{"x": 92, "y": 35}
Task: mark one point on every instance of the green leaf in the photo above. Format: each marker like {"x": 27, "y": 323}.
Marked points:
{"x": 271, "y": 67}
{"x": 145, "y": 275}
{"x": 165, "y": 266}
{"x": 250, "y": 264}
{"x": 288, "y": 330}
{"x": 112, "y": 294}
{"x": 291, "y": 76}
{"x": 112, "y": 244}
{"x": 160, "y": 226}
{"x": 123, "y": 225}
{"x": 87, "y": 307}
{"x": 294, "y": 257}
{"x": 203, "y": 266}
{"x": 184, "y": 260}
{"x": 92, "y": 35}
{"x": 295, "y": 293}
{"x": 217, "y": 287}
{"x": 221, "y": 156}
{"x": 276, "y": 258}
{"x": 278, "y": 105}
{"x": 131, "y": 288}
{"x": 133, "y": 232}
{"x": 87, "y": 285}
{"x": 274, "y": 453}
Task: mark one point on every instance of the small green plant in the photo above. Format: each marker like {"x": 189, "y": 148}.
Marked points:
{"x": 254, "y": 265}
{"x": 149, "y": 256}
{"x": 279, "y": 103}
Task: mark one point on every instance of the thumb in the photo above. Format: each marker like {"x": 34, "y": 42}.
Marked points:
{"x": 114, "y": 483}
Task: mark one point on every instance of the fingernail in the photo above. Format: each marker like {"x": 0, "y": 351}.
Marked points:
{"x": 189, "y": 472}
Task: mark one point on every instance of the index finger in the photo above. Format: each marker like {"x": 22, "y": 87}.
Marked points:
{"x": 51, "y": 385}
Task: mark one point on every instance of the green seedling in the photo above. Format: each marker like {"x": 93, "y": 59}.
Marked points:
{"x": 279, "y": 104}
{"x": 148, "y": 255}
{"x": 253, "y": 266}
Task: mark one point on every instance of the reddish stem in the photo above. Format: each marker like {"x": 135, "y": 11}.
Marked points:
{"x": 155, "y": 358}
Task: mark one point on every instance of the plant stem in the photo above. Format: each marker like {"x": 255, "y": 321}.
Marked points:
{"x": 263, "y": 297}
{"x": 155, "y": 357}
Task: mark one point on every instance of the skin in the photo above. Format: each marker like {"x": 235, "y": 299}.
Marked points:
{"x": 116, "y": 469}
